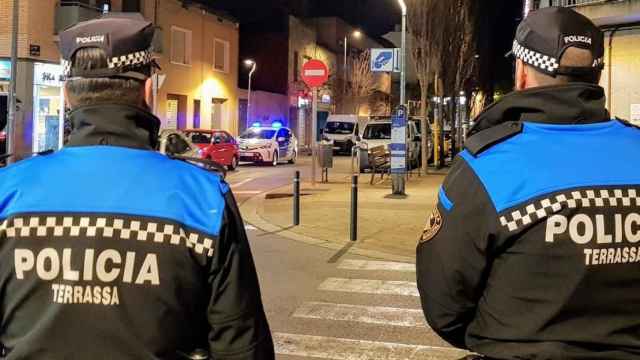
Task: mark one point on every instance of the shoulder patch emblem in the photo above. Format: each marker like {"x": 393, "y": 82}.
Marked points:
{"x": 434, "y": 223}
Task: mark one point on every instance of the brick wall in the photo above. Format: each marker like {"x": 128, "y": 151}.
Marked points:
{"x": 36, "y": 27}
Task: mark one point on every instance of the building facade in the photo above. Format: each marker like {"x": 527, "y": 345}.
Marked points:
{"x": 620, "y": 20}
{"x": 280, "y": 49}
{"x": 197, "y": 50}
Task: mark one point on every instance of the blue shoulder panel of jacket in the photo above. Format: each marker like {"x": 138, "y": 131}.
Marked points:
{"x": 547, "y": 158}
{"x": 112, "y": 180}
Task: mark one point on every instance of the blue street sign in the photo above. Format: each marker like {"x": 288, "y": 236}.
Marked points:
{"x": 398, "y": 146}
{"x": 382, "y": 60}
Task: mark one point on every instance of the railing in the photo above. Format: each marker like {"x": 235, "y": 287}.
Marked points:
{"x": 82, "y": 4}
{"x": 69, "y": 13}
{"x": 571, "y": 3}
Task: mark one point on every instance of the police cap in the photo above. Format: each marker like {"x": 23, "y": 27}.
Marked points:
{"x": 125, "y": 38}
{"x": 544, "y": 36}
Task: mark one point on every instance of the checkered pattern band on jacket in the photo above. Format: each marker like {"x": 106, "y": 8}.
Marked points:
{"x": 543, "y": 62}
{"x": 544, "y": 208}
{"x": 106, "y": 227}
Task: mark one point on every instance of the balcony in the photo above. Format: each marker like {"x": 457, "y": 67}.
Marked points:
{"x": 606, "y": 13}
{"x": 69, "y": 13}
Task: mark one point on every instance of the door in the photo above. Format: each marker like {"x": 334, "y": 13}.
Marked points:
{"x": 217, "y": 112}
{"x": 196, "y": 114}
{"x": 3, "y": 122}
{"x": 176, "y": 111}
{"x": 223, "y": 148}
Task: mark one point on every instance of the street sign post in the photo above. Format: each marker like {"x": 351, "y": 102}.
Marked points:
{"x": 315, "y": 74}
{"x": 398, "y": 149}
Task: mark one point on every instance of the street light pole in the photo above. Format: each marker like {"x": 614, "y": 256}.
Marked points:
{"x": 344, "y": 81}
{"x": 403, "y": 53}
{"x": 253, "y": 69}
{"x": 11, "y": 123}
{"x": 398, "y": 179}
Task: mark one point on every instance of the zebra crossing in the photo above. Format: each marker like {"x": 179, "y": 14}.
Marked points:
{"x": 380, "y": 305}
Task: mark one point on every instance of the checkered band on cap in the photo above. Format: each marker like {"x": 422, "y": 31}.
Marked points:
{"x": 139, "y": 58}
{"x": 543, "y": 62}
{"x": 525, "y": 215}
{"x": 135, "y": 59}
{"x": 107, "y": 227}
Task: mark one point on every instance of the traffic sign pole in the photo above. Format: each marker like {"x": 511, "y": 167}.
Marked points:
{"x": 315, "y": 74}
{"x": 314, "y": 132}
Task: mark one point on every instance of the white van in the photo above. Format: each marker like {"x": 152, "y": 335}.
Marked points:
{"x": 378, "y": 133}
{"x": 343, "y": 131}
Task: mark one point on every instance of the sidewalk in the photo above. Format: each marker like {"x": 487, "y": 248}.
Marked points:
{"x": 388, "y": 228}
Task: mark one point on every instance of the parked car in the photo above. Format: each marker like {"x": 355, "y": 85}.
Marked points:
{"x": 268, "y": 145}
{"x": 216, "y": 145}
{"x": 343, "y": 131}
{"x": 378, "y": 133}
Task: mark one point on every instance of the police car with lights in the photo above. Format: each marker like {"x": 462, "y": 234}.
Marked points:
{"x": 268, "y": 145}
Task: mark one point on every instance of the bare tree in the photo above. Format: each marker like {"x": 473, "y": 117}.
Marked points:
{"x": 362, "y": 83}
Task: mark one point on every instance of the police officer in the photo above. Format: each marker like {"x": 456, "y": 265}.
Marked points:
{"x": 533, "y": 249}
{"x": 110, "y": 250}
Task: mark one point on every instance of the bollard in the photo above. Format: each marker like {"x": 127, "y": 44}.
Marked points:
{"x": 354, "y": 208}
{"x": 296, "y": 199}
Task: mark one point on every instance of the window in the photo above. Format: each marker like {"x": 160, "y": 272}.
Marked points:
{"x": 131, "y": 6}
{"x": 377, "y": 131}
{"x": 180, "y": 46}
{"x": 221, "y": 55}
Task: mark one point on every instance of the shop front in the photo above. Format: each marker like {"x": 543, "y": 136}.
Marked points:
{"x": 48, "y": 107}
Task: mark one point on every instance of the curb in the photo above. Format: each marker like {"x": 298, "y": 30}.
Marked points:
{"x": 249, "y": 211}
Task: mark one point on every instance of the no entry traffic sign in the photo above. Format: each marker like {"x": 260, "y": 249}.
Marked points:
{"x": 315, "y": 73}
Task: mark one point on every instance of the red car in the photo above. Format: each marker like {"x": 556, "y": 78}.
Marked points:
{"x": 216, "y": 145}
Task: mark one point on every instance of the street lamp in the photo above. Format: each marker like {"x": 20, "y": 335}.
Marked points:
{"x": 252, "y": 64}
{"x": 357, "y": 34}
{"x": 403, "y": 52}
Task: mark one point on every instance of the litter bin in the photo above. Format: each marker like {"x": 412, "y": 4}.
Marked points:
{"x": 325, "y": 159}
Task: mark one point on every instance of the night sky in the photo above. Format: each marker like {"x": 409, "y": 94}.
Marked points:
{"x": 378, "y": 17}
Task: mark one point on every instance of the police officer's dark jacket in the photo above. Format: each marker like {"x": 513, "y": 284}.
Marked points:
{"x": 110, "y": 250}
{"x": 533, "y": 251}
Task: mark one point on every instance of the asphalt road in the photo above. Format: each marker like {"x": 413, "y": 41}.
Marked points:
{"x": 324, "y": 304}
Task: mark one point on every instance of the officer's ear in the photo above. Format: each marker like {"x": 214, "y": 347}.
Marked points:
{"x": 521, "y": 75}
{"x": 67, "y": 99}
{"x": 148, "y": 92}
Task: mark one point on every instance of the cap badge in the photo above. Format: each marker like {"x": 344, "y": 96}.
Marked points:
{"x": 577, "y": 38}
{"x": 90, "y": 39}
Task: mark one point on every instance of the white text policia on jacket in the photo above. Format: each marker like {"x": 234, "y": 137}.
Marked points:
{"x": 584, "y": 229}
{"x": 107, "y": 267}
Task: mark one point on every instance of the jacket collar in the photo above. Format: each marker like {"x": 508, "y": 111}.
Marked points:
{"x": 575, "y": 103}
{"x": 114, "y": 125}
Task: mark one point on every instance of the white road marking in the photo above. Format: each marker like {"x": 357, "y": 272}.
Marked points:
{"x": 247, "y": 192}
{"x": 364, "y": 314}
{"x": 377, "y": 265}
{"x": 348, "y": 349}
{"x": 405, "y": 288}
{"x": 250, "y": 227}
{"x": 238, "y": 184}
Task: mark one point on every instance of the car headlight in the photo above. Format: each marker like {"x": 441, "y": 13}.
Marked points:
{"x": 200, "y": 152}
{"x": 268, "y": 146}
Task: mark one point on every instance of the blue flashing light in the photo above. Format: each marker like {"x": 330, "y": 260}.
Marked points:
{"x": 276, "y": 125}
{"x": 256, "y": 124}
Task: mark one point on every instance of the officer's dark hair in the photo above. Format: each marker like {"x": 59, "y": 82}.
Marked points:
{"x": 572, "y": 57}
{"x": 99, "y": 91}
